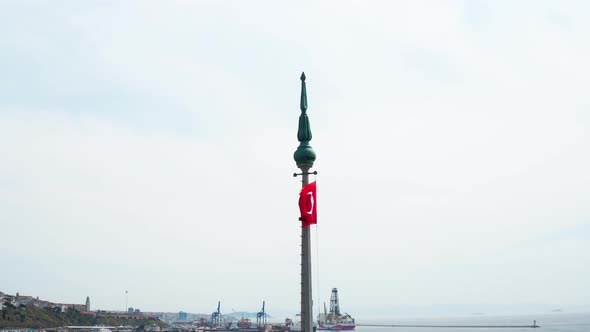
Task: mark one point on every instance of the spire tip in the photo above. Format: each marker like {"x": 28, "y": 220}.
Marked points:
{"x": 303, "y": 76}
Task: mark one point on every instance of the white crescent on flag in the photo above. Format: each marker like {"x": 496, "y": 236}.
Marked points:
{"x": 312, "y": 202}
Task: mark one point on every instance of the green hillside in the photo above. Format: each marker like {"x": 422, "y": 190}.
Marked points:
{"x": 35, "y": 317}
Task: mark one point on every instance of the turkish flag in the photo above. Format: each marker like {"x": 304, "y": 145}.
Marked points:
{"x": 308, "y": 205}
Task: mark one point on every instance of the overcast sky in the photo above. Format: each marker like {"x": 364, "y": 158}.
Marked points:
{"x": 148, "y": 146}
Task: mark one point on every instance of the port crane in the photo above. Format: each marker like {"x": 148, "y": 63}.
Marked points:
{"x": 261, "y": 316}
{"x": 216, "y": 316}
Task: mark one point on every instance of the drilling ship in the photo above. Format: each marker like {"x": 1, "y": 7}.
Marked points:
{"x": 334, "y": 320}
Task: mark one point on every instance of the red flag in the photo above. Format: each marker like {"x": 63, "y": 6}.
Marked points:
{"x": 308, "y": 205}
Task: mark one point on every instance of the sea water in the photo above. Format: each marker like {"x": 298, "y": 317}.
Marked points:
{"x": 559, "y": 322}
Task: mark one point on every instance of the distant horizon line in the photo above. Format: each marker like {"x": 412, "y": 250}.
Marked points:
{"x": 411, "y": 311}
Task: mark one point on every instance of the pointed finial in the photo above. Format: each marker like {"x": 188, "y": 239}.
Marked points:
{"x": 303, "y": 103}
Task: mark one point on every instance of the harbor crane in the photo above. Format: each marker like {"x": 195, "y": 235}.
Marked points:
{"x": 261, "y": 317}
{"x": 216, "y": 316}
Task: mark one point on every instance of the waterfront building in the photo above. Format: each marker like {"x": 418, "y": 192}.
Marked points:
{"x": 126, "y": 315}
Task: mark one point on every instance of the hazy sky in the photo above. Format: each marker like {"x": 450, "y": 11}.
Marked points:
{"x": 147, "y": 146}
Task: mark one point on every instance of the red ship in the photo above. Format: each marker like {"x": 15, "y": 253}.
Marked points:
{"x": 333, "y": 320}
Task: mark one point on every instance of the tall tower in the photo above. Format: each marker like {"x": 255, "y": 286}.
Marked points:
{"x": 87, "y": 303}
{"x": 304, "y": 157}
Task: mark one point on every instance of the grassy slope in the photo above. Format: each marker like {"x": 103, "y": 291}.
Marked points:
{"x": 33, "y": 317}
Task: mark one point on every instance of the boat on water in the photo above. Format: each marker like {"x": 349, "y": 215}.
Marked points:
{"x": 344, "y": 323}
{"x": 334, "y": 320}
{"x": 296, "y": 327}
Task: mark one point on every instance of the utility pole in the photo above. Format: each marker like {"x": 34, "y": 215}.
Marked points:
{"x": 304, "y": 157}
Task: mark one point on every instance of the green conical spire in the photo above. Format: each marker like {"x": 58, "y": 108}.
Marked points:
{"x": 303, "y": 103}
{"x": 304, "y": 155}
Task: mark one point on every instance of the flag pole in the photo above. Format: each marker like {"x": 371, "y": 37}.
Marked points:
{"x": 304, "y": 157}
